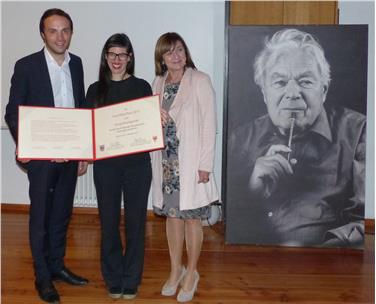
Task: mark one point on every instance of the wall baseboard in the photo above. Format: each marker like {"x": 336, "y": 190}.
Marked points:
{"x": 23, "y": 208}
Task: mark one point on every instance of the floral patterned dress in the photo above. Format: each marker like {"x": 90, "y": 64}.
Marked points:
{"x": 170, "y": 164}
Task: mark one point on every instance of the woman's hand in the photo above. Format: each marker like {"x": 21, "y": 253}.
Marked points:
{"x": 165, "y": 117}
{"x": 203, "y": 176}
{"x": 82, "y": 167}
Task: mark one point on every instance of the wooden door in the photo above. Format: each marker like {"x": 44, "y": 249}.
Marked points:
{"x": 283, "y": 12}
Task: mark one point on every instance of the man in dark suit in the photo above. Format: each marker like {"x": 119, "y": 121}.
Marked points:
{"x": 51, "y": 77}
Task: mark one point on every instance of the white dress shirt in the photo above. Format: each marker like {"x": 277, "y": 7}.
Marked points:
{"x": 61, "y": 80}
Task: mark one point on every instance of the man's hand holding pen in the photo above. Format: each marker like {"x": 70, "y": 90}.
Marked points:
{"x": 273, "y": 166}
{"x": 269, "y": 170}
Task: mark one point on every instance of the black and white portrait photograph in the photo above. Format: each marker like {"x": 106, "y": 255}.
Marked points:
{"x": 295, "y": 135}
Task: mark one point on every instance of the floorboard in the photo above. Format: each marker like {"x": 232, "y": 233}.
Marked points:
{"x": 230, "y": 274}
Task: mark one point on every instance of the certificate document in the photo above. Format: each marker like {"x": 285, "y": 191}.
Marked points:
{"x": 50, "y": 133}
{"x": 128, "y": 127}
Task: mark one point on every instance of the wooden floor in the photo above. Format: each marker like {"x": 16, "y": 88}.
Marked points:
{"x": 229, "y": 273}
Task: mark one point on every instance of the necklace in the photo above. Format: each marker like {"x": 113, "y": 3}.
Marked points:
{"x": 176, "y": 80}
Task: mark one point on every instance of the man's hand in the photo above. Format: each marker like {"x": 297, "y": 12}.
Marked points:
{"x": 24, "y": 160}
{"x": 82, "y": 167}
{"x": 269, "y": 170}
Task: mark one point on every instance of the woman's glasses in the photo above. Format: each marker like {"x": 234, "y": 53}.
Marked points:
{"x": 121, "y": 56}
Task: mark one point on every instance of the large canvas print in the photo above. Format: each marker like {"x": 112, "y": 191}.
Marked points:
{"x": 294, "y": 153}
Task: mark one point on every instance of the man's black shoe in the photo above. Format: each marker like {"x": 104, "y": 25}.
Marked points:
{"x": 47, "y": 292}
{"x": 69, "y": 277}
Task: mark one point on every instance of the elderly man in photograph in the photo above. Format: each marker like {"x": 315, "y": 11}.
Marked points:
{"x": 302, "y": 164}
{"x": 52, "y": 77}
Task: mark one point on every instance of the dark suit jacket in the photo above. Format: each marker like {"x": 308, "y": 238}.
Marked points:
{"x": 31, "y": 85}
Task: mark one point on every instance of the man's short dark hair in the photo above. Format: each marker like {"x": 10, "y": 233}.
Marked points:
{"x": 51, "y": 12}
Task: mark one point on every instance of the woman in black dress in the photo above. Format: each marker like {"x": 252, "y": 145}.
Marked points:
{"x": 128, "y": 176}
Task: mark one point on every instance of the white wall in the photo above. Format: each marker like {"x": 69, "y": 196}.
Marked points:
{"x": 94, "y": 22}
{"x": 200, "y": 23}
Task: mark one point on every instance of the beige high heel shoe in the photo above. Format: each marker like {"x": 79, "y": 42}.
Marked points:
{"x": 170, "y": 290}
{"x": 186, "y": 296}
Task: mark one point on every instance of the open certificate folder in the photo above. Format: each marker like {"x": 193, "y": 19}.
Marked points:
{"x": 124, "y": 128}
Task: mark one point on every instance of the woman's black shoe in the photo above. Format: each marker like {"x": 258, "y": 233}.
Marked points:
{"x": 115, "y": 292}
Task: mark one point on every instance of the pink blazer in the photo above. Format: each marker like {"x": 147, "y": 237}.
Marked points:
{"x": 193, "y": 111}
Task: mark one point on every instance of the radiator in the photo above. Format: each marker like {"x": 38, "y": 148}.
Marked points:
{"x": 85, "y": 195}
